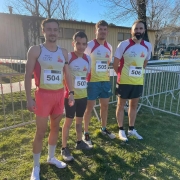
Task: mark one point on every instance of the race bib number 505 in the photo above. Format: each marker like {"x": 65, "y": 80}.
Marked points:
{"x": 80, "y": 82}
{"x": 52, "y": 76}
{"x": 101, "y": 66}
{"x": 135, "y": 71}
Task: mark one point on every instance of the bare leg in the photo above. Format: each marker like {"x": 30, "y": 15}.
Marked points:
{"x": 65, "y": 131}
{"x": 104, "y": 111}
{"x": 54, "y": 129}
{"x": 133, "y": 103}
{"x": 120, "y": 111}
{"x": 87, "y": 114}
{"x": 79, "y": 128}
{"x": 41, "y": 126}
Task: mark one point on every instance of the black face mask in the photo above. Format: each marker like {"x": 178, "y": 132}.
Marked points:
{"x": 139, "y": 36}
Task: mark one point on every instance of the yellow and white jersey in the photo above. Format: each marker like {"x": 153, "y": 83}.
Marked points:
{"x": 79, "y": 68}
{"x": 132, "y": 56}
{"x": 48, "y": 71}
{"x": 101, "y": 56}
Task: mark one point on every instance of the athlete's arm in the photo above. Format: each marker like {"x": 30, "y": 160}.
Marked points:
{"x": 32, "y": 56}
{"x": 145, "y": 64}
{"x": 88, "y": 75}
{"x": 68, "y": 78}
{"x": 117, "y": 56}
{"x": 116, "y": 64}
{"x": 148, "y": 55}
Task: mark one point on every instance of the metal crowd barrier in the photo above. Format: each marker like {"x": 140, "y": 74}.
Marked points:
{"x": 162, "y": 88}
{"x": 13, "y": 111}
{"x": 12, "y": 64}
{"x": 162, "y": 81}
{"x": 161, "y": 91}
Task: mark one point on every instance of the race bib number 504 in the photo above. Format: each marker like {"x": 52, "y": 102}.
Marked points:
{"x": 52, "y": 76}
{"x": 135, "y": 71}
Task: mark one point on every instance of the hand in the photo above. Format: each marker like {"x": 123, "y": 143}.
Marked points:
{"x": 71, "y": 100}
{"x": 31, "y": 105}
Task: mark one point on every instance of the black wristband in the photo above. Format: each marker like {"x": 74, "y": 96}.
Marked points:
{"x": 71, "y": 92}
{"x": 66, "y": 62}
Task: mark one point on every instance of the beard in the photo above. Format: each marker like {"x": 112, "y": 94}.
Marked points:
{"x": 139, "y": 36}
{"x": 52, "y": 39}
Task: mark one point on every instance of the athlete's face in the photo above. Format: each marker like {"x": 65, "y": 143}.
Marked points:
{"x": 138, "y": 31}
{"x": 101, "y": 32}
{"x": 80, "y": 45}
{"x": 51, "y": 31}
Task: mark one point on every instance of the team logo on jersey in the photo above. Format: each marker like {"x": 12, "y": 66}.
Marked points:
{"x": 142, "y": 55}
{"x": 47, "y": 58}
{"x": 132, "y": 54}
{"x": 107, "y": 55}
{"x": 84, "y": 69}
{"x": 99, "y": 53}
{"x": 60, "y": 60}
{"x": 133, "y": 63}
{"x": 50, "y": 67}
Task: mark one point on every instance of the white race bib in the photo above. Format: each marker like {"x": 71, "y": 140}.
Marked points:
{"x": 52, "y": 76}
{"x": 80, "y": 82}
{"x": 101, "y": 66}
{"x": 135, "y": 71}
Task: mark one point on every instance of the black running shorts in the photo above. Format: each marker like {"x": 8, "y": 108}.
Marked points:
{"x": 77, "y": 109}
{"x": 126, "y": 91}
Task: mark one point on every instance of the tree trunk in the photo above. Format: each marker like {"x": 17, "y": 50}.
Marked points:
{"x": 142, "y": 15}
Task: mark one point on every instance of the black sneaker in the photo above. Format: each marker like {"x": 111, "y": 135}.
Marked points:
{"x": 66, "y": 154}
{"x": 83, "y": 145}
{"x": 106, "y": 132}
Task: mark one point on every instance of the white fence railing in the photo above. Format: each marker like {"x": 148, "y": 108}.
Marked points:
{"x": 161, "y": 91}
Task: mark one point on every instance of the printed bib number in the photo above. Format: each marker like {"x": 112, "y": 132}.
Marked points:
{"x": 80, "y": 82}
{"x": 101, "y": 66}
{"x": 52, "y": 76}
{"x": 135, "y": 71}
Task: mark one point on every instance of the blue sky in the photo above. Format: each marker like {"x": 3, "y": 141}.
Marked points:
{"x": 88, "y": 10}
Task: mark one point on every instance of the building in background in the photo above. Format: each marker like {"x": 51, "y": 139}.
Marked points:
{"x": 19, "y": 32}
{"x": 170, "y": 41}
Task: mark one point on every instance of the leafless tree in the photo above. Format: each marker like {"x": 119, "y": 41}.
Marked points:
{"x": 60, "y": 9}
{"x": 66, "y": 9}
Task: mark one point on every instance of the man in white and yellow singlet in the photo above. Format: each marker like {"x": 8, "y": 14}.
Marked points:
{"x": 49, "y": 63}
{"x": 99, "y": 86}
{"x": 80, "y": 66}
{"x": 132, "y": 55}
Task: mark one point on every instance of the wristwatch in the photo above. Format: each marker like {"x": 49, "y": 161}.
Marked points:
{"x": 71, "y": 92}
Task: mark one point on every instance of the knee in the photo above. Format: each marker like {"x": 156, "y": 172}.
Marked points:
{"x": 67, "y": 124}
{"x": 55, "y": 129}
{"x": 40, "y": 134}
{"x": 133, "y": 106}
{"x": 78, "y": 125}
{"x": 89, "y": 109}
{"x": 120, "y": 107}
{"x": 104, "y": 107}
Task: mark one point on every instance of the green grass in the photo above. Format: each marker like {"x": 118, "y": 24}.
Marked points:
{"x": 155, "y": 157}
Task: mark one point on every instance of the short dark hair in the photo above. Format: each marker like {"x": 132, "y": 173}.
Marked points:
{"x": 139, "y": 21}
{"x": 101, "y": 23}
{"x": 45, "y": 21}
{"x": 81, "y": 35}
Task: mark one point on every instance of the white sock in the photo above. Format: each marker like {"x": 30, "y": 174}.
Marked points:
{"x": 36, "y": 158}
{"x": 51, "y": 150}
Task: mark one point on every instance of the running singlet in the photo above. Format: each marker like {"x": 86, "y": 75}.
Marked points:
{"x": 100, "y": 58}
{"x": 48, "y": 71}
{"x": 132, "y": 57}
{"x": 79, "y": 67}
